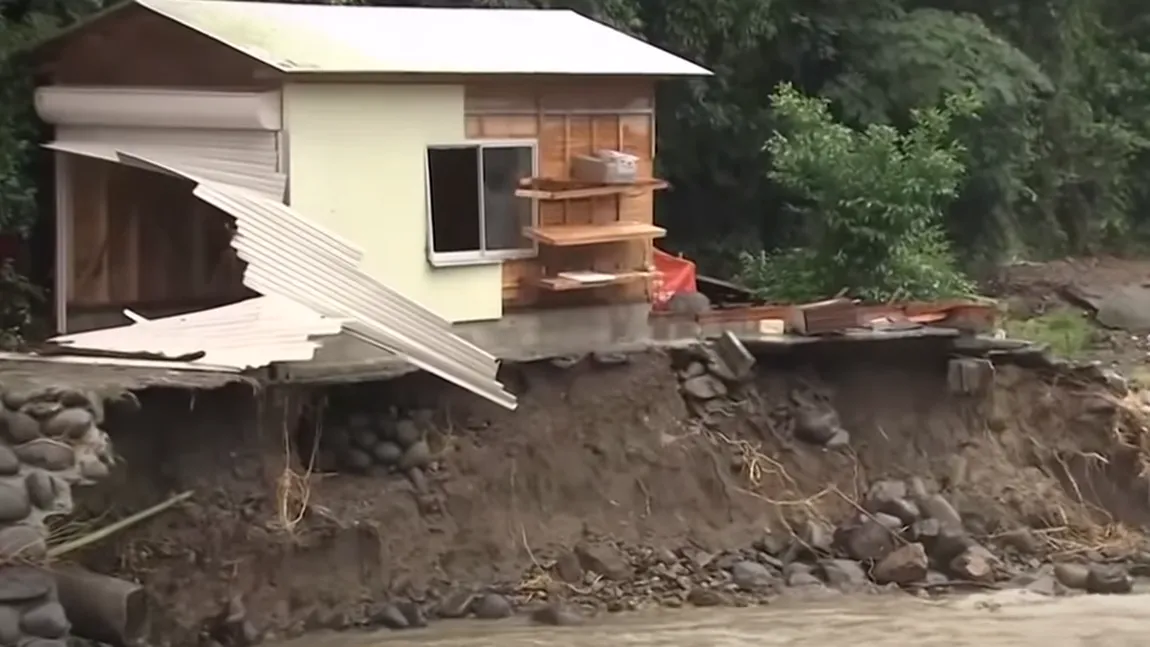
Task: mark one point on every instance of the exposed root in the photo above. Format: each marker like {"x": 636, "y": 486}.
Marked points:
{"x": 293, "y": 490}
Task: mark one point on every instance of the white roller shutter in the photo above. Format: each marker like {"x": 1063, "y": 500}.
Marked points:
{"x": 228, "y": 137}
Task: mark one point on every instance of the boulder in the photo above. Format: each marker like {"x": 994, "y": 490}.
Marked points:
{"x": 869, "y": 539}
{"x": 24, "y": 583}
{"x": 752, "y": 576}
{"x": 704, "y": 387}
{"x": 605, "y": 560}
{"x": 455, "y": 605}
{"x": 557, "y": 615}
{"x": 389, "y": 616}
{"x": 417, "y": 455}
{"x": 703, "y": 597}
{"x": 843, "y": 574}
{"x": 9, "y": 464}
{"x": 19, "y": 427}
{"x": 975, "y": 564}
{"x": 1106, "y": 578}
{"x": 387, "y": 453}
{"x": 45, "y": 621}
{"x": 816, "y": 426}
{"x": 937, "y": 507}
{"x": 407, "y": 433}
{"x": 905, "y": 565}
{"x": 49, "y": 454}
{"x": 14, "y": 503}
{"x": 568, "y": 568}
{"x": 69, "y": 423}
{"x": 1072, "y": 576}
{"x": 491, "y": 606}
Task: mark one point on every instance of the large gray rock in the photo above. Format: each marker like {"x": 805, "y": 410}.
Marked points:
{"x": 605, "y": 560}
{"x": 557, "y": 615}
{"x": 24, "y": 583}
{"x": 937, "y": 507}
{"x": 45, "y": 621}
{"x": 816, "y": 425}
{"x": 491, "y": 606}
{"x": 14, "y": 503}
{"x": 752, "y": 576}
{"x": 69, "y": 423}
{"x": 1072, "y": 576}
{"x": 1105, "y": 578}
{"x": 906, "y": 565}
{"x": 407, "y": 433}
{"x": 869, "y": 539}
{"x": 1126, "y": 308}
{"x": 387, "y": 453}
{"x": 9, "y": 626}
{"x": 704, "y": 387}
{"x": 975, "y": 564}
{"x": 46, "y": 453}
{"x": 455, "y": 605}
{"x": 9, "y": 464}
{"x": 19, "y": 427}
{"x": 417, "y": 455}
{"x": 843, "y": 574}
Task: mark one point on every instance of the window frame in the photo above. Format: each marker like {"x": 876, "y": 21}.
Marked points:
{"x": 481, "y": 256}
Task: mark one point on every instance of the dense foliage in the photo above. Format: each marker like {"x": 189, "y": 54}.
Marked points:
{"x": 1052, "y": 161}
{"x": 872, "y": 200}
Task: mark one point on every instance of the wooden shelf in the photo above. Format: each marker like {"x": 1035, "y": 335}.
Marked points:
{"x": 551, "y": 189}
{"x": 562, "y": 284}
{"x": 574, "y": 235}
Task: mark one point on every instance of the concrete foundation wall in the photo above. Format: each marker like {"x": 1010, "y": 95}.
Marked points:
{"x": 519, "y": 337}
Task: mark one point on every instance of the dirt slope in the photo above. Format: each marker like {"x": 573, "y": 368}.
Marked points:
{"x": 597, "y": 451}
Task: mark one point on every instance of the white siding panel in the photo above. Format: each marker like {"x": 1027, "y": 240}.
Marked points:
{"x": 244, "y": 158}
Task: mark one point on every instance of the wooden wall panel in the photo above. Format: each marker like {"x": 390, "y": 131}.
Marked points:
{"x": 141, "y": 240}
{"x": 570, "y": 119}
{"x": 90, "y": 277}
{"x": 135, "y": 47}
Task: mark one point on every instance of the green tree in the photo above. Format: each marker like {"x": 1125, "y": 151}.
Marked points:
{"x": 874, "y": 199}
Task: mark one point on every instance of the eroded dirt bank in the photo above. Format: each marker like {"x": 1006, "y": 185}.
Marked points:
{"x": 606, "y": 491}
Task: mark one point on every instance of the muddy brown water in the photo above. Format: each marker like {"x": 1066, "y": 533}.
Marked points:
{"x": 1000, "y": 619}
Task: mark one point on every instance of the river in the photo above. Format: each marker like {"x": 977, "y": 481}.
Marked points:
{"x": 1000, "y": 619}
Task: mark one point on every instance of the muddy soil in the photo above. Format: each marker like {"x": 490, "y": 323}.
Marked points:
{"x": 1032, "y": 289}
{"x": 599, "y": 454}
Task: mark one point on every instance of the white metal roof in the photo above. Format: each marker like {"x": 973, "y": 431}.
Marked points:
{"x": 299, "y": 38}
{"x": 250, "y": 334}
{"x": 291, "y": 257}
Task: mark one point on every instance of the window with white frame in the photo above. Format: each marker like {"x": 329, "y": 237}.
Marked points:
{"x": 473, "y": 213}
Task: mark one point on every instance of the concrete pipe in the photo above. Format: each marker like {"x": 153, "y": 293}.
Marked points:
{"x": 103, "y": 608}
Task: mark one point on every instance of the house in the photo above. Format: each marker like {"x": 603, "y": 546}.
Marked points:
{"x": 360, "y": 161}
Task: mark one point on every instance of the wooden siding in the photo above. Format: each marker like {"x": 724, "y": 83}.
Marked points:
{"x": 569, "y": 119}
{"x": 141, "y": 240}
{"x": 135, "y": 47}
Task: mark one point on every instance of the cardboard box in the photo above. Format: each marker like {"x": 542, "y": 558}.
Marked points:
{"x": 605, "y": 167}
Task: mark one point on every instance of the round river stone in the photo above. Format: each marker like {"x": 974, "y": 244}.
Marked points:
{"x": 49, "y": 454}
{"x": 69, "y": 423}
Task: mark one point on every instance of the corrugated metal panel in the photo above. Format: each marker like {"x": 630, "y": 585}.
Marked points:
{"x": 315, "y": 38}
{"x": 244, "y": 158}
{"x": 159, "y": 108}
{"x": 290, "y": 256}
{"x": 249, "y": 334}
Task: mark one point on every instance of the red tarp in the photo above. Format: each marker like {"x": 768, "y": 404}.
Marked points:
{"x": 676, "y": 275}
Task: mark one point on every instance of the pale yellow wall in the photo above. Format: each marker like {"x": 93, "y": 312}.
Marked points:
{"x": 356, "y": 165}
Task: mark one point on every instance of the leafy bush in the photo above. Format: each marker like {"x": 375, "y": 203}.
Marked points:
{"x": 873, "y": 202}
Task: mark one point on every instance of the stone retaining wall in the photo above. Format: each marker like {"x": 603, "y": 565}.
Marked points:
{"x": 50, "y": 440}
